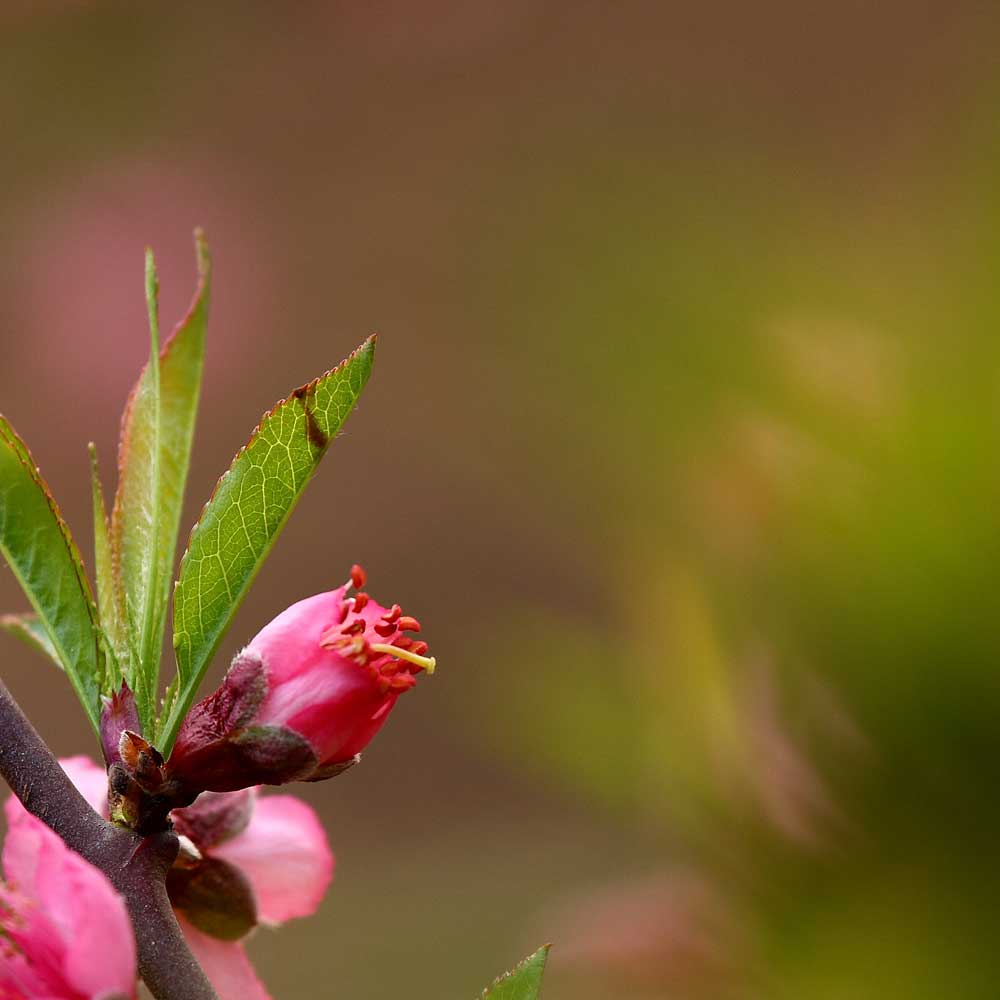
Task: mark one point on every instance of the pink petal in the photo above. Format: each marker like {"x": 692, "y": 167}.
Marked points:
{"x": 91, "y": 919}
{"x": 91, "y": 781}
{"x": 69, "y": 923}
{"x": 226, "y": 965}
{"x": 22, "y": 847}
{"x": 333, "y": 703}
{"x": 20, "y": 854}
{"x": 290, "y": 642}
{"x": 18, "y": 979}
{"x": 285, "y": 855}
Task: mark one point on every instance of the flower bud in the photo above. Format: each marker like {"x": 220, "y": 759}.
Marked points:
{"x": 305, "y": 697}
{"x": 118, "y": 714}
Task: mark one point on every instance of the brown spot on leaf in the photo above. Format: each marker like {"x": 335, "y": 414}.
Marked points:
{"x": 317, "y": 438}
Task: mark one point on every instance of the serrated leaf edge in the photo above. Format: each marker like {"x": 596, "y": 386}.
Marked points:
{"x": 500, "y": 980}
{"x": 303, "y": 390}
{"x": 368, "y": 344}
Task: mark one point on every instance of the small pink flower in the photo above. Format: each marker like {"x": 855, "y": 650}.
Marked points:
{"x": 66, "y": 934}
{"x": 245, "y": 860}
{"x": 335, "y": 667}
{"x": 306, "y": 696}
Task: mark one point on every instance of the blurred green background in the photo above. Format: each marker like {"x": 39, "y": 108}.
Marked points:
{"x": 683, "y": 443}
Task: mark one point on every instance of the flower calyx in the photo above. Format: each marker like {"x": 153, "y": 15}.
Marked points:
{"x": 215, "y": 896}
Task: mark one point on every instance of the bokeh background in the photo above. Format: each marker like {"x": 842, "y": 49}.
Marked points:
{"x": 683, "y": 442}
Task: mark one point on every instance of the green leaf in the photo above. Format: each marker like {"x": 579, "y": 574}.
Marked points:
{"x": 522, "y": 983}
{"x": 29, "y": 629}
{"x": 108, "y": 594}
{"x": 241, "y": 521}
{"x": 43, "y": 556}
{"x": 153, "y": 458}
{"x": 135, "y": 518}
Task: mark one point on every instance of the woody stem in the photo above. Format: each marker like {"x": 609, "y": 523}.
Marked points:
{"x": 137, "y": 866}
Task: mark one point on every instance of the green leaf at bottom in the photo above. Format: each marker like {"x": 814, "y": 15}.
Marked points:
{"x": 521, "y": 983}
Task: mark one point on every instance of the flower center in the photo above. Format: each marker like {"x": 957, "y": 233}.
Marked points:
{"x": 392, "y": 658}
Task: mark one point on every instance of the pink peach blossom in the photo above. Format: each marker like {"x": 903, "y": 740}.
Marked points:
{"x": 273, "y": 848}
{"x": 331, "y": 675}
{"x": 67, "y": 932}
{"x": 306, "y": 696}
{"x": 283, "y": 852}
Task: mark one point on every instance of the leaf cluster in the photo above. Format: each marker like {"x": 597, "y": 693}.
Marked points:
{"x": 114, "y": 633}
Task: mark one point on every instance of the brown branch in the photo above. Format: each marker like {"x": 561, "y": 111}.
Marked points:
{"x": 137, "y": 866}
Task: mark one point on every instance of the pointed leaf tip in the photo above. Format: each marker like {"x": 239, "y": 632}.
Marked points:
{"x": 247, "y": 510}
{"x": 153, "y": 300}
{"x": 154, "y": 454}
{"x": 203, "y": 255}
{"x": 524, "y": 982}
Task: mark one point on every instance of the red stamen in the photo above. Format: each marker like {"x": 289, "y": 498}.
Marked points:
{"x": 358, "y": 576}
{"x": 402, "y": 641}
{"x": 392, "y": 614}
{"x": 408, "y": 624}
{"x": 360, "y": 600}
{"x": 420, "y": 648}
{"x": 384, "y": 629}
{"x": 355, "y": 628}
